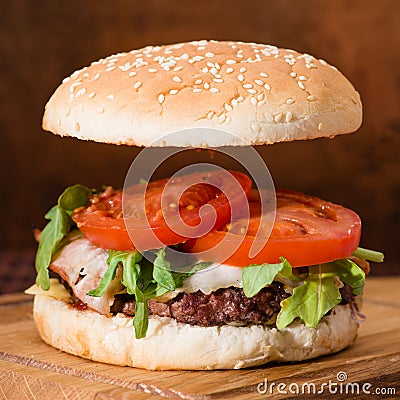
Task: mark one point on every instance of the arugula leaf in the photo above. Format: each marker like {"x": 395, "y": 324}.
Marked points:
{"x": 131, "y": 268}
{"x": 255, "y": 277}
{"x": 169, "y": 279}
{"x": 370, "y": 255}
{"x": 141, "y": 319}
{"x": 311, "y": 301}
{"x": 58, "y": 227}
{"x": 50, "y": 239}
{"x": 74, "y": 197}
{"x": 142, "y": 279}
{"x": 348, "y": 272}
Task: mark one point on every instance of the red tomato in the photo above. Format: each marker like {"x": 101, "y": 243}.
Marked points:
{"x": 172, "y": 212}
{"x": 306, "y": 231}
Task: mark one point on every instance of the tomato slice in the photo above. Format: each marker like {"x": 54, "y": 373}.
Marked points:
{"x": 163, "y": 212}
{"x": 306, "y": 231}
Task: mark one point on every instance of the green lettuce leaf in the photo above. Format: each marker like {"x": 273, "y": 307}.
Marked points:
{"x": 144, "y": 280}
{"x": 255, "y": 277}
{"x": 348, "y": 272}
{"x": 310, "y": 301}
{"x": 59, "y": 225}
{"x": 370, "y": 255}
{"x": 50, "y": 239}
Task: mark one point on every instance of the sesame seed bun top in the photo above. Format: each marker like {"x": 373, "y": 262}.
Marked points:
{"x": 258, "y": 93}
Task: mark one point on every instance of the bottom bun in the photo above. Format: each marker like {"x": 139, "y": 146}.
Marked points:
{"x": 177, "y": 346}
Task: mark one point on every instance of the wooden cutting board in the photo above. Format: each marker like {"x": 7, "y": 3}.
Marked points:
{"x": 29, "y": 369}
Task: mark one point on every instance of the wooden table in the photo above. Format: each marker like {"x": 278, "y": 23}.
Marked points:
{"x": 29, "y": 369}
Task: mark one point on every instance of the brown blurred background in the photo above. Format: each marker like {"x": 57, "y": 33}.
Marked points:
{"x": 42, "y": 42}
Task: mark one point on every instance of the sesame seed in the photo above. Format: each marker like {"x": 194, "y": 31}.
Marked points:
{"x": 111, "y": 97}
{"x": 243, "y": 69}
{"x": 240, "y": 99}
{"x": 259, "y": 82}
{"x": 184, "y": 56}
{"x": 214, "y": 90}
{"x": 221, "y": 118}
{"x": 320, "y": 127}
{"x": 173, "y": 91}
{"x": 91, "y": 95}
{"x": 251, "y": 91}
{"x": 323, "y": 62}
{"x": 137, "y": 85}
{"x": 210, "y": 115}
{"x": 81, "y": 92}
{"x": 248, "y": 86}
{"x": 228, "y": 107}
{"x": 255, "y": 127}
{"x": 310, "y": 97}
{"x": 293, "y": 74}
{"x": 228, "y": 120}
{"x": 152, "y": 70}
{"x": 218, "y": 80}
{"x": 240, "y": 77}
{"x": 209, "y": 54}
{"x": 196, "y": 90}
{"x": 301, "y": 85}
{"x": 77, "y": 127}
{"x": 100, "y": 110}
{"x": 230, "y": 62}
{"x": 229, "y": 70}
{"x": 133, "y": 73}
{"x": 278, "y": 117}
{"x": 110, "y": 68}
{"x": 65, "y": 80}
{"x": 253, "y": 101}
{"x": 178, "y": 68}
{"x": 234, "y": 102}
{"x": 302, "y": 78}
{"x": 198, "y": 82}
{"x": 67, "y": 111}
{"x": 206, "y": 85}
{"x": 266, "y": 86}
{"x": 288, "y": 117}
{"x": 260, "y": 96}
{"x": 269, "y": 117}
{"x": 204, "y": 70}
{"x": 161, "y": 98}
{"x": 176, "y": 79}
{"x": 213, "y": 71}
{"x": 263, "y": 74}
{"x": 209, "y": 64}
{"x": 289, "y": 101}
{"x": 261, "y": 103}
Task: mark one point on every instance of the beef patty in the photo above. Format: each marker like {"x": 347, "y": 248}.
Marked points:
{"x": 224, "y": 306}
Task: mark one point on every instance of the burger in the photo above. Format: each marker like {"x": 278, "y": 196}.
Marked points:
{"x": 113, "y": 293}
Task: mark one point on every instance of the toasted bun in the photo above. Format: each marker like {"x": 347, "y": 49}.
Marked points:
{"x": 258, "y": 93}
{"x": 172, "y": 345}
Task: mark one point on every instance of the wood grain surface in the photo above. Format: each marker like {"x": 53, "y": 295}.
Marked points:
{"x": 29, "y": 369}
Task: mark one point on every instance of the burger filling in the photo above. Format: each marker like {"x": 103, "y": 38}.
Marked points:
{"x": 309, "y": 263}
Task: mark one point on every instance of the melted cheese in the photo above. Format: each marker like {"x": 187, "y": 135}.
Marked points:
{"x": 214, "y": 277}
